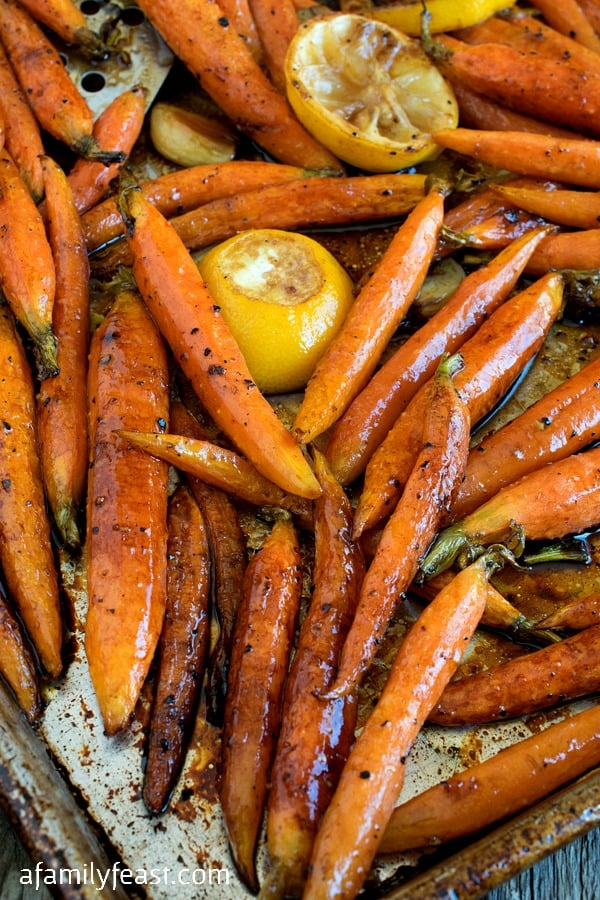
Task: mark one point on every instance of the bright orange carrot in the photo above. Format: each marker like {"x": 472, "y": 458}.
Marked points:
{"x": 23, "y": 138}
{"x": 378, "y": 309}
{"x": 25, "y": 545}
{"x": 65, "y": 19}
{"x": 238, "y": 13}
{"x": 592, "y": 12}
{"x": 566, "y": 250}
{"x": 580, "y": 613}
{"x": 569, "y": 18}
{"x": 17, "y": 666}
{"x": 575, "y": 209}
{"x": 372, "y": 413}
{"x": 356, "y": 819}
{"x": 204, "y": 347}
{"x": 223, "y": 64}
{"x": 126, "y": 508}
{"x": 62, "y": 400}
{"x": 276, "y": 24}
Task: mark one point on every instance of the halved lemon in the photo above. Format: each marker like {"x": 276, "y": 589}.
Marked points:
{"x": 367, "y": 91}
{"x": 284, "y": 297}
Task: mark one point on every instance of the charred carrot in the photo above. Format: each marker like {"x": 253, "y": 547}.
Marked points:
{"x": 182, "y": 649}
{"x": 525, "y": 684}
{"x": 65, "y": 19}
{"x": 316, "y": 734}
{"x": 259, "y": 664}
{"x": 223, "y": 64}
{"x": 411, "y": 528}
{"x": 561, "y": 498}
{"x": 575, "y": 209}
{"x": 276, "y": 24}
{"x": 126, "y": 508}
{"x": 493, "y": 359}
{"x": 381, "y": 304}
{"x": 25, "y": 545}
{"x": 563, "y": 421}
{"x": 17, "y": 666}
{"x": 62, "y": 400}
{"x": 27, "y": 273}
{"x": 372, "y": 413}
{"x": 22, "y": 137}
{"x": 569, "y": 18}
{"x": 471, "y": 800}
{"x": 356, "y": 819}
{"x": 207, "y": 352}
{"x": 581, "y": 613}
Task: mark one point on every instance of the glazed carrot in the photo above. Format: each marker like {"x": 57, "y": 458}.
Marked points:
{"x": 223, "y": 64}
{"x": 525, "y": 684}
{"x": 316, "y": 734}
{"x": 276, "y": 24}
{"x": 372, "y": 413}
{"x": 22, "y": 137}
{"x": 126, "y": 508}
{"x": 380, "y": 306}
{"x": 182, "y": 649}
{"x": 471, "y": 800}
{"x": 25, "y": 545}
{"x": 116, "y": 129}
{"x": 575, "y": 209}
{"x": 580, "y": 613}
{"x": 62, "y": 400}
{"x": 27, "y": 274}
{"x": 55, "y": 99}
{"x": 305, "y": 203}
{"x": 575, "y": 161}
{"x": 203, "y": 345}
{"x": 177, "y": 192}
{"x": 496, "y": 232}
{"x": 238, "y": 13}
{"x": 439, "y": 466}
{"x": 260, "y": 657}
{"x": 493, "y": 359}
{"x": 561, "y": 498}
{"x": 17, "y": 666}
{"x": 592, "y": 12}
{"x": 355, "y": 821}
{"x": 65, "y": 19}
{"x": 566, "y": 419}
{"x": 569, "y": 18}
{"x": 566, "y": 250}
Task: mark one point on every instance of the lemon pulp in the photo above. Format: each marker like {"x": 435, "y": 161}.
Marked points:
{"x": 284, "y": 297}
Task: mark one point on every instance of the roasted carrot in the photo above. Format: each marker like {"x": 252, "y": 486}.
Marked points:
{"x": 62, "y": 400}
{"x": 581, "y": 613}
{"x": 438, "y": 468}
{"x": 525, "y": 684}
{"x": 222, "y": 62}
{"x": 495, "y": 233}
{"x": 575, "y": 209}
{"x": 380, "y": 306}
{"x": 240, "y": 17}
{"x": 27, "y": 274}
{"x": 306, "y": 203}
{"x": 276, "y": 24}
{"x": 316, "y": 734}
{"x": 17, "y": 665}
{"x": 177, "y": 192}
{"x": 260, "y": 658}
{"x": 207, "y": 352}
{"x": 493, "y": 359}
{"x": 575, "y": 161}
{"x": 592, "y": 12}
{"x": 182, "y": 649}
{"x": 356, "y": 819}
{"x": 372, "y": 413}
{"x": 126, "y": 508}
{"x": 25, "y": 545}
{"x": 561, "y": 498}
{"x": 65, "y": 19}
{"x": 569, "y": 18}
{"x": 485, "y": 793}
{"x": 566, "y": 419}
{"x": 228, "y": 548}
{"x": 22, "y": 138}
{"x": 566, "y": 250}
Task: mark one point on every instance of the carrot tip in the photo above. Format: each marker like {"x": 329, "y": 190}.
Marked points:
{"x": 445, "y": 550}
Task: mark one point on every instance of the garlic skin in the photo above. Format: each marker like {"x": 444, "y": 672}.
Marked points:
{"x": 189, "y": 138}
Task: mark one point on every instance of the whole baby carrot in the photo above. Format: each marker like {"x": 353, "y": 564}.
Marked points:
{"x": 566, "y": 250}
{"x": 575, "y": 209}
{"x": 192, "y": 325}
{"x": 372, "y": 413}
{"x": 240, "y": 17}
{"x": 65, "y": 19}
{"x": 276, "y": 24}
{"x": 22, "y": 139}
{"x": 381, "y": 304}
{"x": 356, "y": 819}
{"x": 569, "y": 18}
{"x": 579, "y": 613}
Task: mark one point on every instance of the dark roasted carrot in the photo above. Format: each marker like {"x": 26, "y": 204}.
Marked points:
{"x": 316, "y": 734}
{"x": 276, "y": 24}
{"x": 260, "y": 658}
{"x": 126, "y": 508}
{"x": 223, "y": 64}
{"x": 380, "y": 306}
{"x": 65, "y": 19}
{"x": 525, "y": 684}
{"x": 182, "y": 649}
{"x": 493, "y": 359}
{"x": 356, "y": 819}
{"x": 27, "y": 274}
{"x": 23, "y": 138}
{"x": 581, "y": 613}
{"x": 575, "y": 209}
{"x": 485, "y": 793}
{"x": 561, "y": 422}
{"x": 438, "y": 468}
{"x": 373, "y": 412}
{"x": 17, "y": 665}
{"x": 207, "y": 352}
{"x": 62, "y": 400}
{"x": 25, "y": 544}
{"x": 561, "y": 498}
